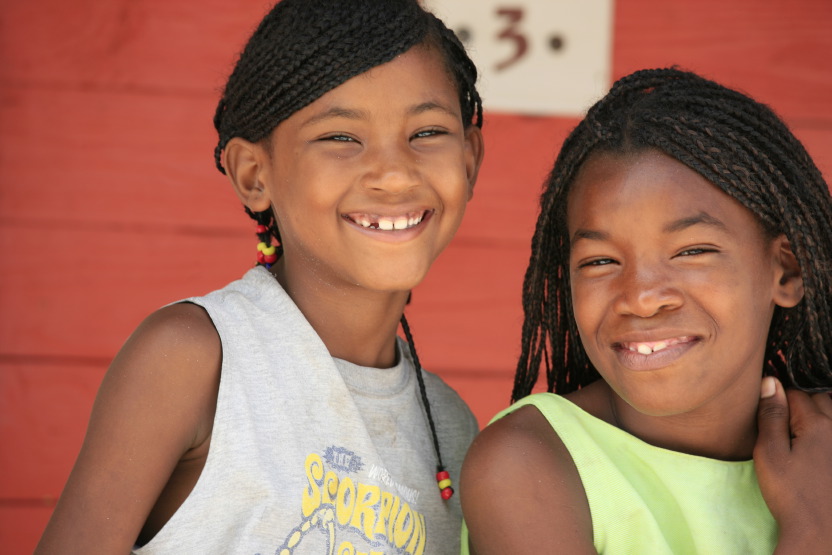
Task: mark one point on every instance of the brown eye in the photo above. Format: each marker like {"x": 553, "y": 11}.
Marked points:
{"x": 695, "y": 251}
{"x": 597, "y": 262}
{"x": 429, "y": 133}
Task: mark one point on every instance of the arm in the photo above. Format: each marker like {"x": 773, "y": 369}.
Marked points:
{"x": 156, "y": 403}
{"x": 520, "y": 490}
{"x": 795, "y": 474}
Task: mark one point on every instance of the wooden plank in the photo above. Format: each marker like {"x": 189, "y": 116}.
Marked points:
{"x": 138, "y": 161}
{"x": 43, "y": 416}
{"x": 46, "y": 407}
{"x": 818, "y": 142}
{"x": 108, "y": 282}
{"x": 154, "y": 46}
{"x": 486, "y": 395}
{"x": 21, "y": 526}
{"x": 776, "y": 51}
{"x": 466, "y": 315}
{"x": 84, "y": 297}
{"x": 758, "y": 44}
{"x": 91, "y": 156}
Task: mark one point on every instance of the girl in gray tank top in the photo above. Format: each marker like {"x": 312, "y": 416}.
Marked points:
{"x": 281, "y": 413}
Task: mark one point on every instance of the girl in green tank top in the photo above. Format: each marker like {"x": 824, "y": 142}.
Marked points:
{"x": 681, "y": 262}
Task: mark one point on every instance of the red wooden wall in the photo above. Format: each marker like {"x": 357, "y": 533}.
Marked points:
{"x": 110, "y": 205}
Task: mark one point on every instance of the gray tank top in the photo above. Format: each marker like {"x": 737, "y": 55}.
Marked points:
{"x": 314, "y": 455}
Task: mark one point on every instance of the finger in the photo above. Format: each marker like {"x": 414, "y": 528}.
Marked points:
{"x": 823, "y": 402}
{"x": 773, "y": 439}
{"x": 802, "y": 410}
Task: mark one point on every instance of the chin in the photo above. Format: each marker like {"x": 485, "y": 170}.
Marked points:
{"x": 392, "y": 284}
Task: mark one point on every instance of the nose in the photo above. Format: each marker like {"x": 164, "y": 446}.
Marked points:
{"x": 392, "y": 169}
{"x": 645, "y": 292}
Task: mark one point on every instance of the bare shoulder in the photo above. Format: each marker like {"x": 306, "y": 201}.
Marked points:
{"x": 520, "y": 490}
{"x": 155, "y": 405}
{"x": 180, "y": 329}
{"x": 171, "y": 361}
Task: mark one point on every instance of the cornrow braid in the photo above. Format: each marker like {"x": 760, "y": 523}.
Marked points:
{"x": 440, "y": 466}
{"x": 740, "y": 146}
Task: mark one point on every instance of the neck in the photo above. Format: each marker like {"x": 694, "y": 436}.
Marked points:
{"x": 725, "y": 431}
{"x": 354, "y": 323}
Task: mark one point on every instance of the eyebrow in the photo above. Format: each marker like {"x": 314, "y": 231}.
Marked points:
{"x": 428, "y": 106}
{"x": 338, "y": 112}
{"x": 703, "y": 218}
{"x": 590, "y": 234}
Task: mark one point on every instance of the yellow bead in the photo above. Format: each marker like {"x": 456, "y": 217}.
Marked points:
{"x": 268, "y": 250}
{"x": 444, "y": 484}
{"x": 261, "y": 246}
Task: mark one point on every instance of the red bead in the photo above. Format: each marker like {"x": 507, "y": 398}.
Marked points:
{"x": 443, "y": 475}
{"x": 269, "y": 258}
{"x": 261, "y": 258}
{"x": 447, "y": 493}
{"x": 261, "y": 229}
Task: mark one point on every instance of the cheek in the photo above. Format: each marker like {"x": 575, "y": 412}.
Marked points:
{"x": 586, "y": 309}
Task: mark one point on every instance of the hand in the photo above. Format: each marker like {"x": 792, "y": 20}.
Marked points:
{"x": 793, "y": 460}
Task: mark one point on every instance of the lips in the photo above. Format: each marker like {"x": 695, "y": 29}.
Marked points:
{"x": 654, "y": 354}
{"x": 397, "y": 222}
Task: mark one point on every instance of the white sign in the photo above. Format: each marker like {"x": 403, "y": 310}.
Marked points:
{"x": 547, "y": 57}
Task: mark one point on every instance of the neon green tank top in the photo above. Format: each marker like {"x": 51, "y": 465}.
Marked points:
{"x": 648, "y": 500}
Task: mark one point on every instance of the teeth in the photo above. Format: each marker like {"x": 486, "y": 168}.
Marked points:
{"x": 388, "y": 223}
{"x": 400, "y": 223}
{"x": 645, "y": 349}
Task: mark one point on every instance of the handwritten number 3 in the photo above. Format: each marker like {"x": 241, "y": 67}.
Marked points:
{"x": 514, "y": 16}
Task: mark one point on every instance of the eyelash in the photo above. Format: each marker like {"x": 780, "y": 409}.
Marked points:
{"x": 419, "y": 135}
{"x": 429, "y": 133}
{"x": 696, "y": 251}
{"x": 597, "y": 262}
{"x": 607, "y": 261}
{"x": 338, "y": 138}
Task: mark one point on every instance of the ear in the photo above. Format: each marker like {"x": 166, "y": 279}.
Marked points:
{"x": 788, "y": 286}
{"x": 247, "y": 167}
{"x": 474, "y": 152}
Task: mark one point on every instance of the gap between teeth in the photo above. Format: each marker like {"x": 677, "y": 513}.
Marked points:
{"x": 390, "y": 224}
{"x": 646, "y": 349}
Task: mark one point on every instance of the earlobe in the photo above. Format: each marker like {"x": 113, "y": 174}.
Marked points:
{"x": 788, "y": 290}
{"x": 246, "y": 164}
{"x": 474, "y": 152}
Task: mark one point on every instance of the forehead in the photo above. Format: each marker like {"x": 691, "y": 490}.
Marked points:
{"x": 417, "y": 77}
{"x": 620, "y": 188}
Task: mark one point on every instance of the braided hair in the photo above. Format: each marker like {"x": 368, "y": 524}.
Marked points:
{"x": 304, "y": 48}
{"x": 740, "y": 146}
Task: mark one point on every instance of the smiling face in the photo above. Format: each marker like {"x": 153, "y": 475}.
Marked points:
{"x": 673, "y": 283}
{"x": 369, "y": 183}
